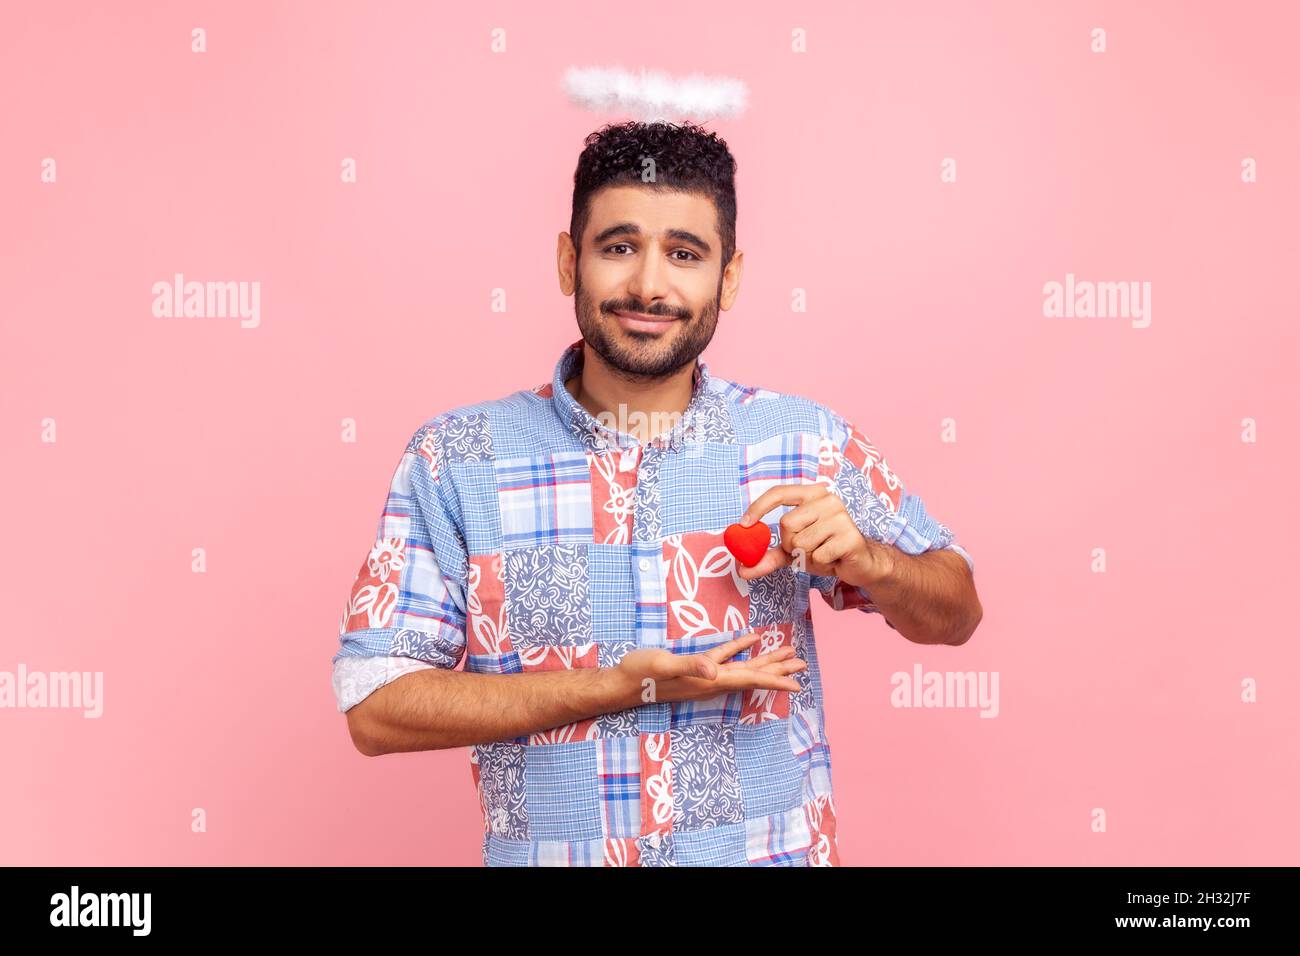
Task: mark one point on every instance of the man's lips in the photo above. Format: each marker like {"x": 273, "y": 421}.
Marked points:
{"x": 640, "y": 322}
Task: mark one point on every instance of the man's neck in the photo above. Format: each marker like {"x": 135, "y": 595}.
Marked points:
{"x": 642, "y": 409}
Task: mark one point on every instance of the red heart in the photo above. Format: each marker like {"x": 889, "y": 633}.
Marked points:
{"x": 748, "y": 544}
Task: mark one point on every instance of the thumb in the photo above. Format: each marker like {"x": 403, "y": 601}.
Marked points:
{"x": 668, "y": 665}
{"x": 700, "y": 665}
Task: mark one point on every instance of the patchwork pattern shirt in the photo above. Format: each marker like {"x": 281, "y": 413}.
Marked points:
{"x": 523, "y": 534}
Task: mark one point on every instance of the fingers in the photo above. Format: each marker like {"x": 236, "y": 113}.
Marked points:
{"x": 806, "y": 527}
{"x": 773, "y": 677}
{"x": 731, "y": 648}
{"x": 762, "y": 660}
{"x": 668, "y": 665}
{"x": 781, "y": 495}
{"x": 705, "y": 666}
{"x": 775, "y": 558}
{"x": 759, "y": 660}
{"x": 770, "y": 671}
{"x": 831, "y": 550}
{"x": 808, "y": 514}
{"x": 809, "y": 526}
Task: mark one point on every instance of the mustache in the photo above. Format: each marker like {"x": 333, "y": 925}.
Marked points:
{"x": 611, "y": 307}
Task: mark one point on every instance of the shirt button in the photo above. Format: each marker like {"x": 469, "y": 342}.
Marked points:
{"x": 645, "y": 564}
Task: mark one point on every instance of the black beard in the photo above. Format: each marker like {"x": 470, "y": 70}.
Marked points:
{"x": 649, "y": 363}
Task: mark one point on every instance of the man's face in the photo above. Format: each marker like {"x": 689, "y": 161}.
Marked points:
{"x": 649, "y": 279}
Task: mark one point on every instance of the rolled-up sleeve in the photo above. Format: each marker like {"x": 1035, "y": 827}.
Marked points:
{"x": 406, "y": 610}
{"x": 882, "y": 509}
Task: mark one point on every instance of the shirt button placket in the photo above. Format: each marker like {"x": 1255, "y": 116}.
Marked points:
{"x": 651, "y": 610}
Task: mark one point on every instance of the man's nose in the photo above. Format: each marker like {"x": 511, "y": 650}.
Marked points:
{"x": 650, "y": 281}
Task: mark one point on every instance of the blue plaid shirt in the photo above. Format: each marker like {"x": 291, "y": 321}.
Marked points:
{"x": 524, "y": 534}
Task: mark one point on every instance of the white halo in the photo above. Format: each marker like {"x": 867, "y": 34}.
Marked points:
{"x": 652, "y": 95}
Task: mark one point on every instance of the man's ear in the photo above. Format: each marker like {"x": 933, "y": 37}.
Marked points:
{"x": 566, "y": 263}
{"x": 731, "y": 280}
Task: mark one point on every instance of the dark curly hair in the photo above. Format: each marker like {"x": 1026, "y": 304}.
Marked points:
{"x": 687, "y": 158}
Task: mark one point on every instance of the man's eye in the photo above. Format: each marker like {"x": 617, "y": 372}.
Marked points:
{"x": 617, "y": 245}
{"x": 693, "y": 256}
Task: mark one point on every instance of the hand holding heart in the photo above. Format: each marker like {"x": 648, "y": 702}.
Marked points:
{"x": 817, "y": 534}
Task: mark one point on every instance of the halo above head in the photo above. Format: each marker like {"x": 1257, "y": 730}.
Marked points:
{"x": 654, "y": 96}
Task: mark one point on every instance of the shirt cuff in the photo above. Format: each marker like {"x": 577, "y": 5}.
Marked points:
{"x": 356, "y": 678}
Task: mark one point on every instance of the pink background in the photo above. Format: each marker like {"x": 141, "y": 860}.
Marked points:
{"x": 1118, "y": 690}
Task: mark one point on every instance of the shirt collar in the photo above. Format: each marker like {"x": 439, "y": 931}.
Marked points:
{"x": 598, "y": 436}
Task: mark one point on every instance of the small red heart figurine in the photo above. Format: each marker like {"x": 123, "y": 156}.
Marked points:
{"x": 748, "y": 544}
